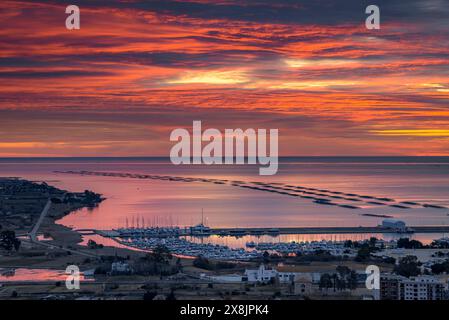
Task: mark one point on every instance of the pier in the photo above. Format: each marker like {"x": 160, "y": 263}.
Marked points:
{"x": 324, "y": 230}
{"x": 265, "y": 231}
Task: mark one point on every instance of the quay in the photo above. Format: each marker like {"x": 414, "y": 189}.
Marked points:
{"x": 324, "y": 230}
{"x": 265, "y": 231}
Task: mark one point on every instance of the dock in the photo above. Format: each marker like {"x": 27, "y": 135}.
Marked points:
{"x": 271, "y": 231}
{"x": 325, "y": 230}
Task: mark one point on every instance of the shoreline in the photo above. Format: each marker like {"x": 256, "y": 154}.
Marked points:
{"x": 63, "y": 246}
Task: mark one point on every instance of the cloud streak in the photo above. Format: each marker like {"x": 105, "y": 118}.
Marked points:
{"x": 310, "y": 68}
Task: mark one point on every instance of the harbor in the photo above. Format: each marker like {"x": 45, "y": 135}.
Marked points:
{"x": 183, "y": 247}
{"x": 184, "y": 242}
{"x": 193, "y": 241}
{"x": 187, "y": 231}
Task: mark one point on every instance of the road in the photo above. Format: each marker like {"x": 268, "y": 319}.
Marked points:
{"x": 33, "y": 234}
{"x": 36, "y": 227}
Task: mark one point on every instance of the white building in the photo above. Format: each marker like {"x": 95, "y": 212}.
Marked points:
{"x": 120, "y": 268}
{"x": 231, "y": 278}
{"x": 395, "y": 225}
{"x": 89, "y": 274}
{"x": 264, "y": 274}
{"x": 421, "y": 288}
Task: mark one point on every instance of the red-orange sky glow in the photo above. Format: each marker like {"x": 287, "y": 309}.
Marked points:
{"x": 138, "y": 69}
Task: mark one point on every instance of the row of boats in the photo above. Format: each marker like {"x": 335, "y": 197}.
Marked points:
{"x": 182, "y": 247}
{"x": 336, "y": 248}
{"x": 197, "y": 230}
{"x": 155, "y": 232}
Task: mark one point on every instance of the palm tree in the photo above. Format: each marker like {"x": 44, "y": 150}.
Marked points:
{"x": 334, "y": 280}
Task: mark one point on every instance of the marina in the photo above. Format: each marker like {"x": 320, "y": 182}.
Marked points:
{"x": 162, "y": 232}
{"x": 194, "y": 241}
{"x": 183, "y": 247}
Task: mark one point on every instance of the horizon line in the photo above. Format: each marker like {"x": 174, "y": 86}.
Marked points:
{"x": 167, "y": 157}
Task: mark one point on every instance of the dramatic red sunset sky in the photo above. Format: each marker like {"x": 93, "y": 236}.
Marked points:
{"x": 138, "y": 69}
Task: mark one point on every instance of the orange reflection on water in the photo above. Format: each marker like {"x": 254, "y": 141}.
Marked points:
{"x": 33, "y": 275}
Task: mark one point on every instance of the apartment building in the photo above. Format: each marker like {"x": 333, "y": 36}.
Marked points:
{"x": 393, "y": 287}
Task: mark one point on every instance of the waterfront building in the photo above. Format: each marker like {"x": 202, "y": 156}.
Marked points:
{"x": 395, "y": 225}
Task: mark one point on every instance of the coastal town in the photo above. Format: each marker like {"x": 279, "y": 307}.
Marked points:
{"x": 163, "y": 263}
{"x": 231, "y": 159}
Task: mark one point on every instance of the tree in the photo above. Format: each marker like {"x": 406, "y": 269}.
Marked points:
{"x": 340, "y": 284}
{"x": 179, "y": 264}
{"x": 325, "y": 281}
{"x": 409, "y": 244}
{"x": 266, "y": 257}
{"x": 343, "y": 271}
{"x": 347, "y": 278}
{"x": 352, "y": 281}
{"x": 438, "y": 268}
{"x": 348, "y": 244}
{"x": 149, "y": 295}
{"x": 171, "y": 296}
{"x": 8, "y": 240}
{"x": 91, "y": 244}
{"x": 408, "y": 267}
{"x": 202, "y": 263}
{"x": 162, "y": 254}
{"x": 363, "y": 254}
